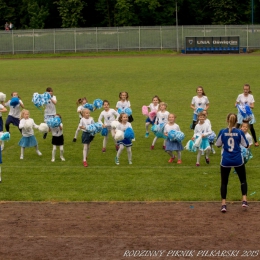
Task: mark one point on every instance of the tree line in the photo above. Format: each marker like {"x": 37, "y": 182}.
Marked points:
{"x": 44, "y": 14}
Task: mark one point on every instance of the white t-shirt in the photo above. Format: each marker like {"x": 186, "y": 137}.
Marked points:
{"x": 56, "y": 131}
{"x": 27, "y": 126}
{"x": 123, "y": 104}
{"x": 199, "y": 102}
{"x": 1, "y": 107}
{"x": 162, "y": 117}
{"x": 153, "y": 107}
{"x": 108, "y": 116}
{"x": 86, "y": 121}
{"x": 79, "y": 109}
{"x": 242, "y": 99}
{"x": 50, "y": 108}
{"x": 168, "y": 128}
{"x": 14, "y": 111}
{"x": 204, "y": 129}
{"x": 123, "y": 127}
{"x": 249, "y": 138}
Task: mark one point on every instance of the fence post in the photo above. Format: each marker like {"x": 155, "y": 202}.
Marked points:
{"x": 54, "y": 43}
{"x": 161, "y": 37}
{"x": 117, "y": 39}
{"x": 75, "y": 40}
{"x": 13, "y": 41}
{"x": 247, "y": 38}
{"x": 139, "y": 38}
{"x": 182, "y": 37}
{"x": 96, "y": 41}
{"x": 33, "y": 41}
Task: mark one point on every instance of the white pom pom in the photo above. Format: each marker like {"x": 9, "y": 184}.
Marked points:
{"x": 119, "y": 136}
{"x": 43, "y": 128}
{"x": 28, "y": 125}
{"x": 2, "y": 97}
{"x": 114, "y": 124}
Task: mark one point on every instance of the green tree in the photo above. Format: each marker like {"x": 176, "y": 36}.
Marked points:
{"x": 71, "y": 12}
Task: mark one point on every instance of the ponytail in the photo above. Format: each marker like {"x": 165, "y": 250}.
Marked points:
{"x": 232, "y": 121}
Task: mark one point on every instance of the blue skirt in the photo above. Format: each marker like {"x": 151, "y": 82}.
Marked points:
{"x": 126, "y": 142}
{"x": 240, "y": 119}
{"x": 204, "y": 144}
{"x": 173, "y": 145}
{"x": 87, "y": 138}
{"x": 29, "y": 141}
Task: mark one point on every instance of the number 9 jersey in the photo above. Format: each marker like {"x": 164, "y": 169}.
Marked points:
{"x": 231, "y": 151}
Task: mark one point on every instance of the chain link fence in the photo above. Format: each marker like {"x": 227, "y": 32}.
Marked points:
{"x": 119, "y": 38}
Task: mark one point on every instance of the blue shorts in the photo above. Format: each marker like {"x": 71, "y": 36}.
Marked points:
{"x": 1, "y": 124}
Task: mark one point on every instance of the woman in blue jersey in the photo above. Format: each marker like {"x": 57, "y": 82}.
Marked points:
{"x": 230, "y": 139}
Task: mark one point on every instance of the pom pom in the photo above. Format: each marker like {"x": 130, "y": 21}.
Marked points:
{"x": 114, "y": 124}
{"x": 2, "y": 97}
{"x": 43, "y": 128}
{"x": 41, "y": 99}
{"x": 176, "y": 136}
{"x": 104, "y": 131}
{"x": 98, "y": 103}
{"x": 28, "y": 125}
{"x": 198, "y": 141}
{"x": 98, "y": 127}
{"x": 128, "y": 111}
{"x": 5, "y": 136}
{"x": 245, "y": 111}
{"x": 14, "y": 101}
{"x": 152, "y": 115}
{"x": 190, "y": 146}
{"x": 119, "y": 136}
{"x": 91, "y": 129}
{"x": 199, "y": 109}
{"x": 120, "y": 111}
{"x": 212, "y": 137}
{"x": 155, "y": 129}
{"x": 89, "y": 106}
{"x": 145, "y": 110}
{"x": 129, "y": 133}
{"x": 53, "y": 122}
{"x": 159, "y": 130}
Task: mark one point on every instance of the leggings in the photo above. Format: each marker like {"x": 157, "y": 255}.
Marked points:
{"x": 252, "y": 130}
{"x": 241, "y": 172}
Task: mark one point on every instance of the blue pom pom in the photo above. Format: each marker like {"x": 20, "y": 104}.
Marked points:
{"x": 212, "y": 137}
{"x": 98, "y": 103}
{"x": 128, "y": 111}
{"x": 14, "y": 101}
{"x": 53, "y": 122}
{"x": 129, "y": 133}
{"x": 176, "y": 136}
{"x": 154, "y": 129}
{"x": 98, "y": 127}
{"x": 120, "y": 111}
{"x": 190, "y": 146}
{"x": 199, "y": 109}
{"x": 104, "y": 131}
{"x": 248, "y": 110}
{"x": 89, "y": 106}
{"x": 5, "y": 136}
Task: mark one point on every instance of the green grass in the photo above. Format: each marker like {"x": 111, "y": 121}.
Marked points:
{"x": 174, "y": 78}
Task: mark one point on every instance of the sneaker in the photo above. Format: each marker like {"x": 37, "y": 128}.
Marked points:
{"x": 74, "y": 140}
{"x": 116, "y": 161}
{"x": 117, "y": 147}
{"x": 146, "y": 135}
{"x": 85, "y": 164}
{"x": 207, "y": 160}
{"x": 2, "y": 148}
{"x": 52, "y": 160}
{"x": 179, "y": 162}
{"x": 44, "y": 136}
{"x": 235, "y": 172}
{"x": 171, "y": 159}
{"x": 197, "y": 164}
{"x": 21, "y": 157}
{"x": 163, "y": 147}
{"x": 245, "y": 204}
{"x": 38, "y": 152}
{"x": 130, "y": 162}
{"x": 103, "y": 150}
{"x": 133, "y": 140}
{"x": 152, "y": 147}
{"x": 62, "y": 158}
{"x": 223, "y": 208}
{"x": 212, "y": 150}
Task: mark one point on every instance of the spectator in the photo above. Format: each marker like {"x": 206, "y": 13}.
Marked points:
{"x": 7, "y": 26}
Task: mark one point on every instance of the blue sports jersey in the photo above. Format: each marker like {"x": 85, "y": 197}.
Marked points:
{"x": 231, "y": 151}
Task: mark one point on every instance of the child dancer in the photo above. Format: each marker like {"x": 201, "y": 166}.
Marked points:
{"x": 86, "y": 137}
{"x": 124, "y": 103}
{"x": 207, "y": 121}
{"x": 161, "y": 118}
{"x": 199, "y": 101}
{"x": 50, "y": 108}
{"x": 124, "y": 124}
{"x": 57, "y": 140}
{"x": 80, "y": 103}
{"x": 28, "y": 139}
{"x": 172, "y": 145}
{"x": 2, "y": 110}
{"x": 154, "y": 106}
{"x": 14, "y": 113}
{"x": 202, "y": 129}
{"x": 109, "y": 115}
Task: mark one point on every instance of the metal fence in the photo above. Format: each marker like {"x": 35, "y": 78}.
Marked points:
{"x": 119, "y": 38}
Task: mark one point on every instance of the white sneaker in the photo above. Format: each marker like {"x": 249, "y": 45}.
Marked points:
{"x": 53, "y": 160}
{"x": 62, "y": 158}
{"x": 21, "y": 157}
{"x": 2, "y": 148}
{"x": 130, "y": 162}
{"x": 38, "y": 152}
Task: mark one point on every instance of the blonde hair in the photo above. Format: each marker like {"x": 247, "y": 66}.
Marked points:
{"x": 163, "y": 103}
{"x": 232, "y": 121}
{"x": 85, "y": 110}
{"x": 23, "y": 112}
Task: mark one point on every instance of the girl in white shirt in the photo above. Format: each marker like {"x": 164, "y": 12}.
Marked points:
{"x": 108, "y": 115}
{"x": 28, "y": 139}
{"x": 124, "y": 103}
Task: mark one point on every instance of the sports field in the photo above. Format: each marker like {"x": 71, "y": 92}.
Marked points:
{"x": 151, "y": 178}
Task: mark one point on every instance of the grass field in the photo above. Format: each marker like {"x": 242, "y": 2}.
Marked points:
{"x": 174, "y": 79}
